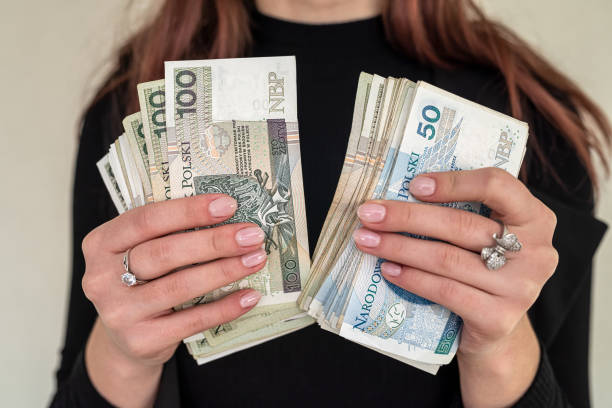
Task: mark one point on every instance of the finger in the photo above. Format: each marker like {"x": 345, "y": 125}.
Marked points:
{"x": 465, "y": 229}
{"x": 159, "y": 256}
{"x": 464, "y": 300}
{"x": 494, "y": 187}
{"x": 154, "y": 220}
{"x": 177, "y": 326}
{"x": 181, "y": 286}
{"x": 439, "y": 258}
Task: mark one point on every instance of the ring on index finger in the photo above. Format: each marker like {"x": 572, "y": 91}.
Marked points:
{"x": 128, "y": 278}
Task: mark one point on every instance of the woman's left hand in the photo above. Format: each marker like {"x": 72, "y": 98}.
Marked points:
{"x": 499, "y": 352}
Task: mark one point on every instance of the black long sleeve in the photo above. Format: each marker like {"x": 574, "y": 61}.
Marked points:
{"x": 567, "y": 375}
{"x": 544, "y": 391}
{"x": 321, "y": 368}
{"x": 561, "y": 315}
{"x": 91, "y": 208}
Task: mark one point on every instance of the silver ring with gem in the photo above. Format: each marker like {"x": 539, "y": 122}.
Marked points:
{"x": 128, "y": 278}
{"x": 495, "y": 257}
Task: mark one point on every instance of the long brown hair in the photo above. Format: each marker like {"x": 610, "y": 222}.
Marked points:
{"x": 440, "y": 33}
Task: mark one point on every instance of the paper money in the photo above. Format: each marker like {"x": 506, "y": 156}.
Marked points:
{"x": 443, "y": 133}
{"x": 200, "y": 93}
{"x": 152, "y": 99}
{"x": 255, "y": 319}
{"x": 355, "y": 163}
{"x": 232, "y": 128}
{"x": 341, "y": 279}
{"x": 120, "y": 173}
{"x": 237, "y": 134}
{"x": 110, "y": 182}
{"x": 204, "y": 353}
{"x": 424, "y": 129}
{"x": 126, "y": 159}
{"x": 135, "y": 135}
{"x": 263, "y": 189}
{"x": 330, "y": 224}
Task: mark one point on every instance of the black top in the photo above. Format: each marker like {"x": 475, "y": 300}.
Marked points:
{"x": 313, "y": 367}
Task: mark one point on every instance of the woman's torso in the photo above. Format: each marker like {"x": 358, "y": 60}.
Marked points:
{"x": 312, "y": 366}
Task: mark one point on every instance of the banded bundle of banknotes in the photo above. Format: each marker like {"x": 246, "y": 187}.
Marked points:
{"x": 230, "y": 126}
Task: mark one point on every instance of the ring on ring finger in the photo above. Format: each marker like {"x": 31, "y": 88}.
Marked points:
{"x": 128, "y": 278}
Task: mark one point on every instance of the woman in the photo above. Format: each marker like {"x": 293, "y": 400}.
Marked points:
{"x": 525, "y": 340}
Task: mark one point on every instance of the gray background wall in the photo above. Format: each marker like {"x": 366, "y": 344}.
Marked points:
{"x": 54, "y": 54}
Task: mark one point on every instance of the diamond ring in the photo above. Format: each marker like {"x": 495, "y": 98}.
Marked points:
{"x": 494, "y": 257}
{"x": 128, "y": 278}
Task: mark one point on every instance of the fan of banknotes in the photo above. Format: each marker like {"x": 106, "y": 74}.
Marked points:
{"x": 225, "y": 126}
{"x": 230, "y": 126}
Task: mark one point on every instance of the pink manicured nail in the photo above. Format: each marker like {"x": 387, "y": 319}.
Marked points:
{"x": 250, "y": 236}
{"x": 423, "y": 186}
{"x": 222, "y": 207}
{"x": 253, "y": 258}
{"x": 366, "y": 238}
{"x": 391, "y": 269}
{"x": 371, "y": 212}
{"x": 249, "y": 299}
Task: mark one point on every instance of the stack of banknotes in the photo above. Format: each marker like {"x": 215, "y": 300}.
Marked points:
{"x": 225, "y": 126}
{"x": 400, "y": 129}
{"x": 230, "y": 126}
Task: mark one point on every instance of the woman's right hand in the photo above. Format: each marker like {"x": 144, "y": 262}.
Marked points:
{"x": 137, "y": 330}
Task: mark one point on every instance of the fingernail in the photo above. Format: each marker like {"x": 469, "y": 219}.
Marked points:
{"x": 250, "y": 236}
{"x": 254, "y": 258}
{"x": 366, "y": 238}
{"x": 249, "y": 299}
{"x": 222, "y": 207}
{"x": 371, "y": 212}
{"x": 390, "y": 269}
{"x": 423, "y": 186}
